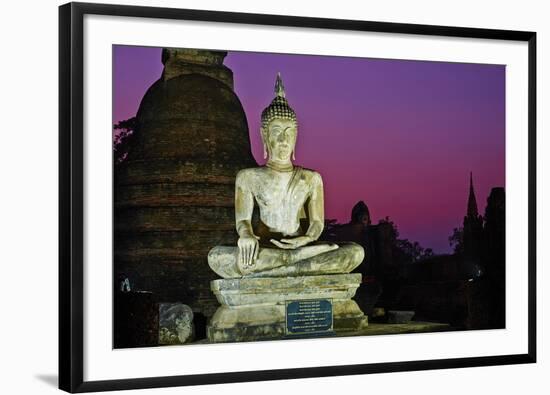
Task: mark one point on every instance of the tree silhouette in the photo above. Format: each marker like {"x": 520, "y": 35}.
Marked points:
{"x": 456, "y": 240}
{"x": 123, "y": 132}
{"x": 405, "y": 251}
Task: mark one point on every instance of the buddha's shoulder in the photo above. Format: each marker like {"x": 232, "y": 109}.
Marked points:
{"x": 310, "y": 175}
{"x": 260, "y": 171}
{"x": 252, "y": 172}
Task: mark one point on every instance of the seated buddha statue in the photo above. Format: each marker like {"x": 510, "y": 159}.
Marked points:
{"x": 290, "y": 201}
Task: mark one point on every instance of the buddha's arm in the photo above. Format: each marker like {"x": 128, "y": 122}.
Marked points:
{"x": 316, "y": 209}
{"x": 244, "y": 206}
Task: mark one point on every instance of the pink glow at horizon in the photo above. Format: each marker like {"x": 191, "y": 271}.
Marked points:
{"x": 400, "y": 135}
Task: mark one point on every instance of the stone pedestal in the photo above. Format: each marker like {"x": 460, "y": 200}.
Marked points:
{"x": 254, "y": 308}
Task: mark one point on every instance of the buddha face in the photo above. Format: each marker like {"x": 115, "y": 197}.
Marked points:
{"x": 280, "y": 139}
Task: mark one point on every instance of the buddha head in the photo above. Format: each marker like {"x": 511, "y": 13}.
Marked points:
{"x": 279, "y": 127}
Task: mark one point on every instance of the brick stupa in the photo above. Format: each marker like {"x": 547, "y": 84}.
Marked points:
{"x": 174, "y": 193}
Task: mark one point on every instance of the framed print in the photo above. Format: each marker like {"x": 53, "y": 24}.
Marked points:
{"x": 250, "y": 197}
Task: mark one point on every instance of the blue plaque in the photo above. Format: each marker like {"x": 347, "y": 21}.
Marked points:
{"x": 309, "y": 317}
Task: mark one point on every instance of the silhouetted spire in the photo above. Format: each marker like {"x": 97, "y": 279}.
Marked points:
{"x": 472, "y": 204}
{"x": 473, "y": 228}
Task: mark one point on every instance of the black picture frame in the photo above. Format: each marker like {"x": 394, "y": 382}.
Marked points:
{"x": 71, "y": 173}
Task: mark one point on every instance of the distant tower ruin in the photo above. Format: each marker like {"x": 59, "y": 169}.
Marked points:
{"x": 495, "y": 232}
{"x": 360, "y": 214}
{"x": 495, "y": 236}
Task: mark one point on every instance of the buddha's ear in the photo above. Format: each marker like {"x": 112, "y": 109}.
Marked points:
{"x": 295, "y": 138}
{"x": 262, "y": 133}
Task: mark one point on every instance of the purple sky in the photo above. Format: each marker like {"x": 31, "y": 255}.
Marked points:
{"x": 400, "y": 135}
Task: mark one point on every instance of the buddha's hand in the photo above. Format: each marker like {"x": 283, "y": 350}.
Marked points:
{"x": 291, "y": 244}
{"x": 248, "y": 250}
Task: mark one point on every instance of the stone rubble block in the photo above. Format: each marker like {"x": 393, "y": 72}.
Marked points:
{"x": 175, "y": 323}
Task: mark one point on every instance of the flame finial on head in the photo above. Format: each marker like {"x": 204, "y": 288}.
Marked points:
{"x": 279, "y": 87}
{"x": 278, "y": 108}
